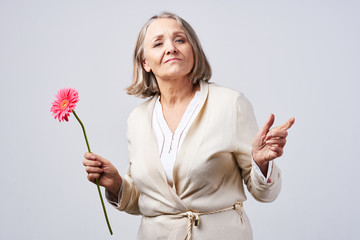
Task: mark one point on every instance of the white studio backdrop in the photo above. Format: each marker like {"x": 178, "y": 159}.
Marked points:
{"x": 290, "y": 58}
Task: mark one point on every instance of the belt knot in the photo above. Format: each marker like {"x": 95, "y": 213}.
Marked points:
{"x": 194, "y": 217}
{"x": 238, "y": 208}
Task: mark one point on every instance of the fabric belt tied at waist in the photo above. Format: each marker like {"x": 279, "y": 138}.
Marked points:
{"x": 194, "y": 217}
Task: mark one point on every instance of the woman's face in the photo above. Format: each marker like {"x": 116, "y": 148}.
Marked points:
{"x": 168, "y": 53}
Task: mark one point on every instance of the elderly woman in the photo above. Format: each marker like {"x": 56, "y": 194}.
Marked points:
{"x": 192, "y": 144}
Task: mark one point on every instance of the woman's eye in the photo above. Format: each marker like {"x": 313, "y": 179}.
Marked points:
{"x": 157, "y": 44}
{"x": 180, "y": 40}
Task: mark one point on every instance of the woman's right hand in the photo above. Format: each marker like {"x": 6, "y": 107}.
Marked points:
{"x": 99, "y": 167}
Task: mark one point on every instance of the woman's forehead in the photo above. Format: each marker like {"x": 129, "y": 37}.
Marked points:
{"x": 163, "y": 26}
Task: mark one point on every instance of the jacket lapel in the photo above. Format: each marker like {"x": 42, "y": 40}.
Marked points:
{"x": 153, "y": 161}
{"x": 182, "y": 168}
{"x": 152, "y": 155}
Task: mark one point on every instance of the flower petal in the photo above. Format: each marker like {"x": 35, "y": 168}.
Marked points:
{"x": 68, "y": 94}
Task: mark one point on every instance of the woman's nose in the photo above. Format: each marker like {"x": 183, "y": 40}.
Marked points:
{"x": 170, "y": 48}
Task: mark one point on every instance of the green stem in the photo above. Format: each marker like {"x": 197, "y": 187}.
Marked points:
{"x": 102, "y": 202}
{"x": 83, "y": 128}
{"x": 97, "y": 180}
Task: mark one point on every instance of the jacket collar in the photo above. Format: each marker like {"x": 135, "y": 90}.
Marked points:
{"x": 204, "y": 90}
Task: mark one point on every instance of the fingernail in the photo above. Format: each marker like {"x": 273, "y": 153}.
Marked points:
{"x": 92, "y": 157}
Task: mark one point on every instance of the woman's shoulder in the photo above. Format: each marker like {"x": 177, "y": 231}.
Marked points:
{"x": 226, "y": 100}
{"x": 226, "y": 94}
{"x": 142, "y": 110}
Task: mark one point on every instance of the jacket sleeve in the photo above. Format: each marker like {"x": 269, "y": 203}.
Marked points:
{"x": 246, "y": 129}
{"x": 129, "y": 196}
{"x": 127, "y": 199}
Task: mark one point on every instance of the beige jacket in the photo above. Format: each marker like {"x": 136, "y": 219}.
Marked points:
{"x": 211, "y": 166}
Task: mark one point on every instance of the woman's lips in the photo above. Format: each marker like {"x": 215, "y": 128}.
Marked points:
{"x": 172, "y": 60}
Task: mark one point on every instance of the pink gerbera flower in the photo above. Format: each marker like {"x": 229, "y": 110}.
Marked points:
{"x": 65, "y": 102}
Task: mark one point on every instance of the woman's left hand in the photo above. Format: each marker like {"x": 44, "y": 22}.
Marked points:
{"x": 268, "y": 144}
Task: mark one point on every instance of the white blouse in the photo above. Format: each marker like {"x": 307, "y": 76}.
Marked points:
{"x": 169, "y": 143}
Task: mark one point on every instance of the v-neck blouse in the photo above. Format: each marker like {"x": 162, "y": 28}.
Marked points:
{"x": 168, "y": 142}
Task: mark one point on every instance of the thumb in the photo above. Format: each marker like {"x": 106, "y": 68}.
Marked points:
{"x": 268, "y": 124}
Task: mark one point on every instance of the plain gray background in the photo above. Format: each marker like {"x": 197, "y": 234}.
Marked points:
{"x": 290, "y": 58}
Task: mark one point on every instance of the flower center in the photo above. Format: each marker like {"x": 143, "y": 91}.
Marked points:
{"x": 64, "y": 104}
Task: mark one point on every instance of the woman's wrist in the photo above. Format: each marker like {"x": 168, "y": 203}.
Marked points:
{"x": 115, "y": 188}
{"x": 263, "y": 165}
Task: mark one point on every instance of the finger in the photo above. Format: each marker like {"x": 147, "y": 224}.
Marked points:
{"x": 93, "y": 176}
{"x": 275, "y": 134}
{"x": 276, "y": 142}
{"x": 90, "y": 156}
{"x": 268, "y": 124}
{"x": 276, "y": 151}
{"x": 90, "y": 170}
{"x": 91, "y": 163}
{"x": 288, "y": 124}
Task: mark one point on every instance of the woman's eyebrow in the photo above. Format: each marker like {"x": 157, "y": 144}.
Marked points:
{"x": 157, "y": 37}
{"x": 160, "y": 36}
{"x": 179, "y": 33}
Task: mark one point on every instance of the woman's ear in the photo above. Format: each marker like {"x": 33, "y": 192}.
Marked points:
{"x": 146, "y": 66}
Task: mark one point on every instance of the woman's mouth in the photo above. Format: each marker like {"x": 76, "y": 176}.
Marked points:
{"x": 172, "y": 60}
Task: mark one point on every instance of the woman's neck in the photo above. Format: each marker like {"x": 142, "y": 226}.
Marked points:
{"x": 176, "y": 91}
